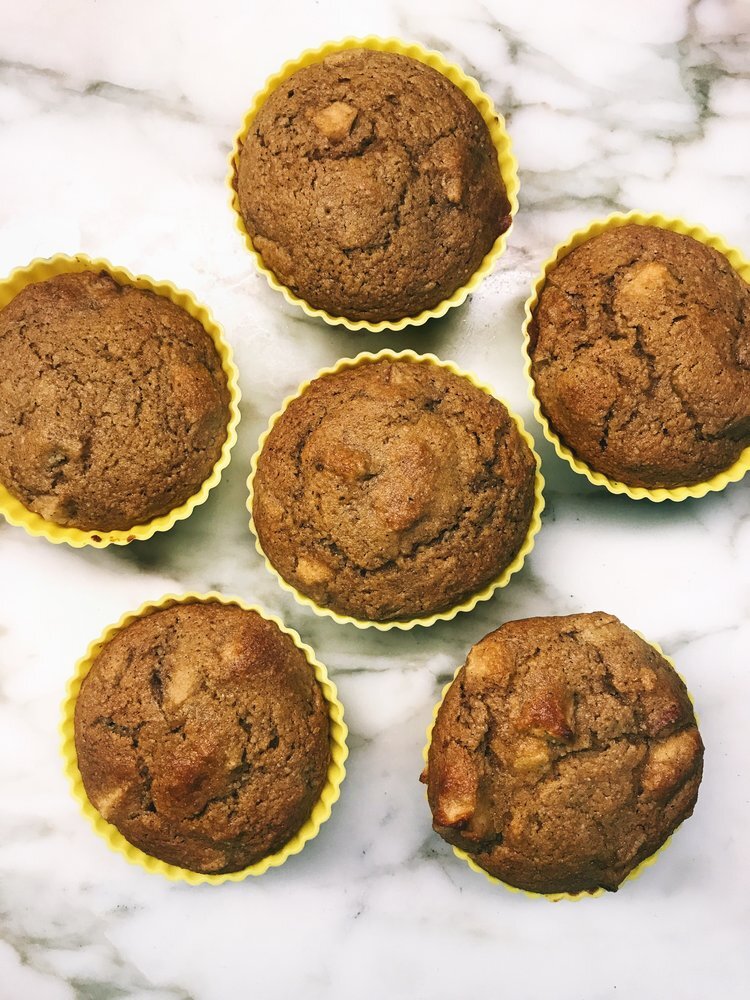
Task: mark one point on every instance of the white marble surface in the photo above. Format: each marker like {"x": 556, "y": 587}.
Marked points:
{"x": 115, "y": 123}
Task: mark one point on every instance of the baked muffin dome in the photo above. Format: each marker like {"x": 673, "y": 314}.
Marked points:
{"x": 370, "y": 185}
{"x": 393, "y": 490}
{"x": 564, "y": 753}
{"x": 640, "y": 349}
{"x": 113, "y": 402}
{"x": 202, "y": 735}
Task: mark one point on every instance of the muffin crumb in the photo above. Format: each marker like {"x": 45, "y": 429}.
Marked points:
{"x": 393, "y": 490}
{"x": 113, "y": 402}
{"x": 568, "y": 758}
{"x": 202, "y": 735}
{"x": 640, "y": 348}
{"x": 370, "y": 185}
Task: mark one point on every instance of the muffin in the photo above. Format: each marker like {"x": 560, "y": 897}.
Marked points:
{"x": 393, "y": 490}
{"x": 202, "y": 735}
{"x": 565, "y": 752}
{"x": 640, "y": 355}
{"x": 113, "y": 402}
{"x": 370, "y": 185}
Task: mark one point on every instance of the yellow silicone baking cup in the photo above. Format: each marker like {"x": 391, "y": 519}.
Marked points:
{"x": 482, "y": 595}
{"x": 736, "y": 471}
{"x": 494, "y": 121}
{"x": 553, "y": 897}
{"x": 114, "y": 839}
{"x": 12, "y": 508}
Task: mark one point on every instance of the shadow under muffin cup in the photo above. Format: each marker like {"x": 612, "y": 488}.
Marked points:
{"x": 320, "y": 809}
{"x": 565, "y": 450}
{"x": 481, "y": 105}
{"x": 165, "y": 296}
{"x": 657, "y": 772}
{"x": 413, "y": 498}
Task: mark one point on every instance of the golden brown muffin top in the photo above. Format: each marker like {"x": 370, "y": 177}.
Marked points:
{"x": 370, "y": 185}
{"x": 640, "y": 349}
{"x": 564, "y": 754}
{"x": 393, "y": 490}
{"x": 113, "y": 402}
{"x": 202, "y": 735}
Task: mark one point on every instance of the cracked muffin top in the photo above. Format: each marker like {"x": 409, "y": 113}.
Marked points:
{"x": 113, "y": 402}
{"x": 640, "y": 348}
{"x": 564, "y": 753}
{"x": 370, "y": 185}
{"x": 202, "y": 735}
{"x": 393, "y": 490}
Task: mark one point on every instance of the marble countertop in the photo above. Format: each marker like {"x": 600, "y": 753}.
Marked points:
{"x": 115, "y": 123}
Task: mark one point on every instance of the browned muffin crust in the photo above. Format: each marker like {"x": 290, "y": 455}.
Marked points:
{"x": 113, "y": 402}
{"x": 202, "y": 735}
{"x": 370, "y": 185}
{"x": 640, "y": 348}
{"x": 564, "y": 754}
{"x": 393, "y": 490}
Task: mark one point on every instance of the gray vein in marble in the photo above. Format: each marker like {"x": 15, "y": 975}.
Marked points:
{"x": 700, "y": 62}
{"x": 64, "y": 86}
{"x": 49, "y": 946}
